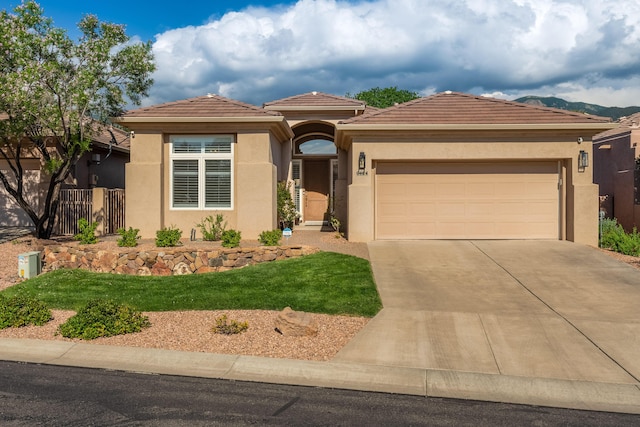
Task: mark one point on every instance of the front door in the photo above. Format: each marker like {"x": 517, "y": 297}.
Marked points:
{"x": 316, "y": 190}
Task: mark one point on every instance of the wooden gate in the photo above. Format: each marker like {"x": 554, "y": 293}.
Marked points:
{"x": 114, "y": 210}
{"x": 74, "y": 204}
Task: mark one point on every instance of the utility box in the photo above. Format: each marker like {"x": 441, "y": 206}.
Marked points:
{"x": 29, "y": 265}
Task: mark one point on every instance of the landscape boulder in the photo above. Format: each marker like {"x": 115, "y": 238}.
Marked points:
{"x": 296, "y": 323}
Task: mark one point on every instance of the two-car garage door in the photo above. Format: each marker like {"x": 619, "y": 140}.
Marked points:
{"x": 471, "y": 200}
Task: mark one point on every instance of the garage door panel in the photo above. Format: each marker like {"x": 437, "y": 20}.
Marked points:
{"x": 467, "y": 201}
{"x": 390, "y": 210}
{"x": 423, "y": 209}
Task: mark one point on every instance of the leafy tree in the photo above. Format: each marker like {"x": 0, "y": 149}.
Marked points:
{"x": 56, "y": 93}
{"x": 383, "y": 98}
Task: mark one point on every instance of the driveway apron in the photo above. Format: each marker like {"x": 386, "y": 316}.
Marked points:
{"x": 547, "y": 309}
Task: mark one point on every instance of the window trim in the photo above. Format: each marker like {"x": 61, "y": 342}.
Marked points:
{"x": 202, "y": 157}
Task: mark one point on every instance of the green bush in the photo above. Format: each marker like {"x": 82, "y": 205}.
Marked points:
{"x": 129, "y": 237}
{"x": 103, "y": 318}
{"x": 231, "y": 239}
{"x": 87, "y": 232}
{"x": 229, "y": 327}
{"x": 168, "y": 237}
{"x": 18, "y": 311}
{"x": 613, "y": 236}
{"x": 286, "y": 207}
{"x": 212, "y": 228}
{"x": 270, "y": 238}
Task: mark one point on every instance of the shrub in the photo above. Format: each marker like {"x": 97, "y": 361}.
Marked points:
{"x": 168, "y": 237}
{"x": 129, "y": 237}
{"x": 18, "y": 311}
{"x": 103, "y": 318}
{"x": 270, "y": 238}
{"x": 286, "y": 208}
{"x": 231, "y": 239}
{"x": 229, "y": 327}
{"x": 87, "y": 232}
{"x": 613, "y": 236}
{"x": 211, "y": 228}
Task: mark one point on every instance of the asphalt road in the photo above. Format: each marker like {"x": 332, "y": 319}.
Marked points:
{"x": 41, "y": 395}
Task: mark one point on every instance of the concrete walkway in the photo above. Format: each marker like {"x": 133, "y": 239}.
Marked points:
{"x": 541, "y": 323}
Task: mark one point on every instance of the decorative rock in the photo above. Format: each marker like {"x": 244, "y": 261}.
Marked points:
{"x": 296, "y": 323}
{"x": 181, "y": 269}
{"x": 144, "y": 271}
{"x": 160, "y": 269}
{"x": 105, "y": 262}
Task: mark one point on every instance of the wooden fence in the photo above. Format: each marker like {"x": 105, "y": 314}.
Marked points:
{"x": 76, "y": 204}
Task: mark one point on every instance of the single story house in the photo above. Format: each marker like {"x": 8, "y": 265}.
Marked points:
{"x": 616, "y": 169}
{"x": 447, "y": 166}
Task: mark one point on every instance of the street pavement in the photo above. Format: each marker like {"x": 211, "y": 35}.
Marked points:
{"x": 547, "y": 323}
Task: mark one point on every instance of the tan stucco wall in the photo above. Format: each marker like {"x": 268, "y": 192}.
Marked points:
{"x": 581, "y": 215}
{"x": 257, "y": 160}
{"x": 144, "y": 184}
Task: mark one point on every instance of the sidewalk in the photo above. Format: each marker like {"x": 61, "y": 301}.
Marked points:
{"x": 597, "y": 396}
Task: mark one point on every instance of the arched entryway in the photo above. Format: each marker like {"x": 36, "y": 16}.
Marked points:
{"x": 315, "y": 169}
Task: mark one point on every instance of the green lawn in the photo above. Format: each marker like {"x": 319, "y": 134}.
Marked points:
{"x": 325, "y": 282}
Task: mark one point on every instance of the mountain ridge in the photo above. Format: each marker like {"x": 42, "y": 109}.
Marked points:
{"x": 615, "y": 113}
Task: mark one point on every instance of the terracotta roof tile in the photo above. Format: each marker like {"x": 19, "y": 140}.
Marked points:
{"x": 625, "y": 124}
{"x": 203, "y": 106}
{"x": 121, "y": 136}
{"x": 316, "y": 99}
{"x": 460, "y": 108}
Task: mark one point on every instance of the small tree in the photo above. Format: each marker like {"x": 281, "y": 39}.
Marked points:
{"x": 383, "y": 98}
{"x": 287, "y": 213}
{"x": 55, "y": 95}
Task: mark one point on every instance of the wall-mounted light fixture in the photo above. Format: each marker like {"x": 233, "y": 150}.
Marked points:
{"x": 583, "y": 160}
{"x": 95, "y": 160}
{"x": 362, "y": 164}
{"x": 580, "y": 140}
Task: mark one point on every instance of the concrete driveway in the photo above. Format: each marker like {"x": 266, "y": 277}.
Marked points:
{"x": 539, "y": 309}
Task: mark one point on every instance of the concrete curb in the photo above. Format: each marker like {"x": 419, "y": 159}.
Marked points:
{"x": 595, "y": 396}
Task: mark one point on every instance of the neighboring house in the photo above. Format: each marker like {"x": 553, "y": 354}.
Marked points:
{"x": 617, "y": 171}
{"x": 89, "y": 172}
{"x": 448, "y": 166}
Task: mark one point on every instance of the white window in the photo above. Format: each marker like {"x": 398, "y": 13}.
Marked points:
{"x": 202, "y": 171}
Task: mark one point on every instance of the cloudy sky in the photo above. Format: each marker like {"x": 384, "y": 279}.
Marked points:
{"x": 258, "y": 51}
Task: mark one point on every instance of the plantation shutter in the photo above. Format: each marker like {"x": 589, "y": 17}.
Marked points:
{"x": 296, "y": 174}
{"x": 185, "y": 183}
{"x": 217, "y": 183}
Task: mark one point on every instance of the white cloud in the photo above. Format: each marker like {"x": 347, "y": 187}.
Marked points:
{"x": 571, "y": 47}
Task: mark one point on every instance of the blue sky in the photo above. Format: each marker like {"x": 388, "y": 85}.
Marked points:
{"x": 259, "y": 51}
{"x": 144, "y": 18}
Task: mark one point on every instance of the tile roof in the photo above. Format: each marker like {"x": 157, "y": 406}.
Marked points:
{"x": 450, "y": 108}
{"x": 625, "y": 124}
{"x": 315, "y": 100}
{"x": 202, "y": 106}
{"x": 121, "y": 136}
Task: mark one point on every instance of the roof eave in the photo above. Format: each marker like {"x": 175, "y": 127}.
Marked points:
{"x": 283, "y": 133}
{"x": 472, "y": 126}
{"x": 159, "y": 119}
{"x": 315, "y": 108}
